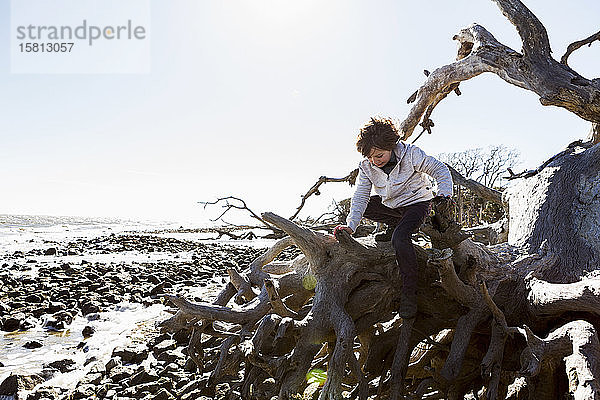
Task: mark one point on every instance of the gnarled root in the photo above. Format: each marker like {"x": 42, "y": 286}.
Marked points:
{"x": 282, "y": 329}
{"x": 577, "y": 344}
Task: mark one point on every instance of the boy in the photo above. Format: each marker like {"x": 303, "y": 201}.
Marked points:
{"x": 403, "y": 197}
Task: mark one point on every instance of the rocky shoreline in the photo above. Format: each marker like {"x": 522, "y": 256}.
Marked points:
{"x": 51, "y": 286}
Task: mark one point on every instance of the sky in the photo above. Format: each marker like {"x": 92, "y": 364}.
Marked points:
{"x": 257, "y": 99}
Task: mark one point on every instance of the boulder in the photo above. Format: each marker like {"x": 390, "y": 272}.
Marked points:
{"x": 85, "y": 391}
{"x": 50, "y": 251}
{"x": 12, "y": 322}
{"x": 64, "y": 365}
{"x": 88, "y": 331}
{"x": 132, "y": 354}
{"x": 14, "y": 384}
{"x": 34, "y": 344}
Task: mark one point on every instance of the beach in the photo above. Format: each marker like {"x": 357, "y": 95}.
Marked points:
{"x": 80, "y": 301}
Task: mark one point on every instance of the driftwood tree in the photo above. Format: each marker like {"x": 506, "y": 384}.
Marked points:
{"x": 509, "y": 321}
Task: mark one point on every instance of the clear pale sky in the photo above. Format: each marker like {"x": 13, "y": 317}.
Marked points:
{"x": 258, "y": 99}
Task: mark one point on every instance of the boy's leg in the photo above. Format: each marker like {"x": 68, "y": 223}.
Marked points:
{"x": 377, "y": 212}
{"x": 414, "y": 216}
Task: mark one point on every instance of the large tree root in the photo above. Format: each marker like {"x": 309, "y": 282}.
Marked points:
{"x": 334, "y": 309}
{"x": 576, "y": 344}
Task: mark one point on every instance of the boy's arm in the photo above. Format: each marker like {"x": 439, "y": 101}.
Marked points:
{"x": 434, "y": 168}
{"x": 359, "y": 201}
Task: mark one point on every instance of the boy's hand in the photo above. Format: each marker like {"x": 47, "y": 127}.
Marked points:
{"x": 342, "y": 228}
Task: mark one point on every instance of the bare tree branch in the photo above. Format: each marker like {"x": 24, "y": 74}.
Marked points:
{"x": 228, "y": 205}
{"x": 350, "y": 178}
{"x": 534, "y": 70}
{"x": 580, "y": 43}
{"x": 532, "y": 32}
{"x": 570, "y": 148}
{"x": 480, "y": 190}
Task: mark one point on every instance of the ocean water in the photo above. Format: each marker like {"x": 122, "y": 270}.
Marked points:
{"x": 26, "y": 232}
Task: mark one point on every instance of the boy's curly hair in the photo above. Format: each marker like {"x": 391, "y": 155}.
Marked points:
{"x": 378, "y": 132}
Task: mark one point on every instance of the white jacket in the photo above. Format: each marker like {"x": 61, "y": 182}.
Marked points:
{"x": 405, "y": 185}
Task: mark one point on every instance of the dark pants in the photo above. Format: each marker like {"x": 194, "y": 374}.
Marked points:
{"x": 407, "y": 221}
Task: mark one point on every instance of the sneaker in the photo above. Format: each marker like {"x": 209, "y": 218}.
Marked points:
{"x": 385, "y": 236}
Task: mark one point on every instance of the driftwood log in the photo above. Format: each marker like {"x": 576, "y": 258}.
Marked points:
{"x": 487, "y": 323}
{"x": 517, "y": 320}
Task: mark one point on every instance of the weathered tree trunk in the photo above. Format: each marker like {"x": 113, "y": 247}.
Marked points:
{"x": 559, "y": 209}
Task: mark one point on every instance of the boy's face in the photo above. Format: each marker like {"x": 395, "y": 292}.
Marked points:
{"x": 379, "y": 157}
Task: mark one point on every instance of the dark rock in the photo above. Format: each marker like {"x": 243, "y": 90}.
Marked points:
{"x": 133, "y": 354}
{"x": 90, "y": 360}
{"x": 93, "y": 317}
{"x": 189, "y": 388}
{"x": 222, "y": 390}
{"x": 4, "y": 308}
{"x": 55, "y": 306}
{"x": 64, "y": 316}
{"x": 143, "y": 376}
{"x": 41, "y": 310}
{"x": 63, "y": 293}
{"x": 134, "y": 392}
{"x": 171, "y": 367}
{"x": 170, "y": 356}
{"x": 96, "y": 367}
{"x": 121, "y": 372}
{"x": 163, "y": 394}
{"x": 85, "y": 391}
{"x": 165, "y": 345}
{"x": 195, "y": 395}
{"x": 13, "y": 322}
{"x": 32, "y": 345}
{"x": 16, "y": 383}
{"x": 88, "y": 331}
{"x": 182, "y": 336}
{"x": 15, "y": 305}
{"x": 89, "y": 307}
{"x": 91, "y": 378}
{"x": 34, "y": 298}
{"x": 154, "y": 387}
{"x": 157, "y": 289}
{"x": 28, "y": 323}
{"x": 65, "y": 365}
{"x": 153, "y": 279}
{"x": 165, "y": 336}
{"x": 48, "y": 373}
{"x": 111, "y": 298}
{"x": 112, "y": 363}
{"x": 50, "y": 252}
{"x": 54, "y": 324}
{"x": 45, "y": 393}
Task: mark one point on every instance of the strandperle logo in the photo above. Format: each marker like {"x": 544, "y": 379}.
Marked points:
{"x": 85, "y": 31}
